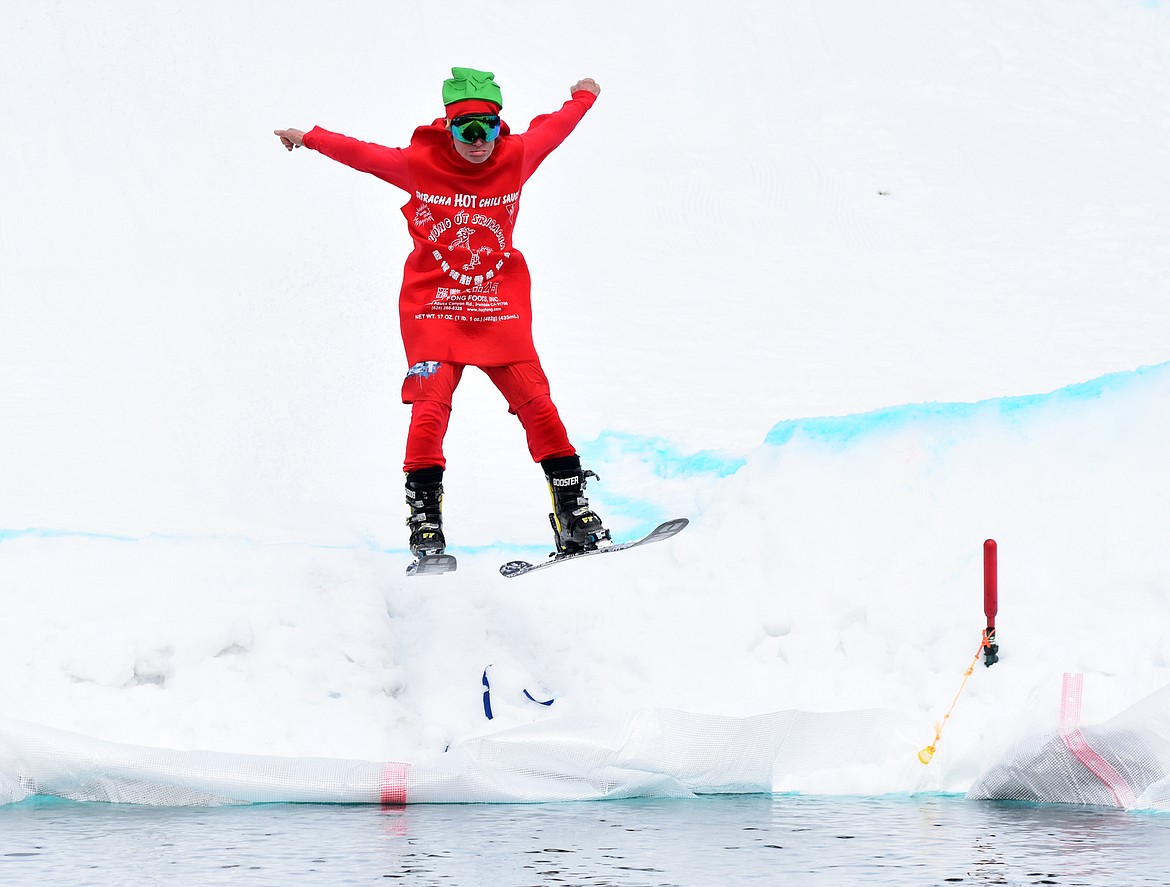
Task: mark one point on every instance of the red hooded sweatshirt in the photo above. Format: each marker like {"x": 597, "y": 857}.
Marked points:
{"x": 466, "y": 292}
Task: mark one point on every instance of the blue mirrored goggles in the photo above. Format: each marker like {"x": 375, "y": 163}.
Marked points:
{"x": 470, "y": 127}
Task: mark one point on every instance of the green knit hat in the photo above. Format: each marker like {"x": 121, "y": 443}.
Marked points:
{"x": 468, "y": 83}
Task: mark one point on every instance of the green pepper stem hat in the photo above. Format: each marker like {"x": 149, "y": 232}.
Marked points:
{"x": 468, "y": 83}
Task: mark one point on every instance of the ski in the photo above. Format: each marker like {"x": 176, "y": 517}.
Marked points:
{"x": 432, "y": 565}
{"x": 663, "y": 531}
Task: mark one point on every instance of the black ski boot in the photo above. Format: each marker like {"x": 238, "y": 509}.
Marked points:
{"x": 575, "y": 526}
{"x": 424, "y": 495}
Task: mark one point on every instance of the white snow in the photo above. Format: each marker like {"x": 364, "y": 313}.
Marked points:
{"x": 918, "y": 218}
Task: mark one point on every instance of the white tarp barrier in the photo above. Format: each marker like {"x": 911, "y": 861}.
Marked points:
{"x": 649, "y": 753}
{"x": 1123, "y": 762}
{"x": 37, "y": 760}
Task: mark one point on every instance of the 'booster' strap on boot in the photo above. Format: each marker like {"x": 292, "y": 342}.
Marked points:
{"x": 575, "y": 525}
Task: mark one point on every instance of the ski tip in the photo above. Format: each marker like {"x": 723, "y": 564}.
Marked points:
{"x": 667, "y": 529}
{"x": 515, "y": 568}
{"x": 432, "y": 565}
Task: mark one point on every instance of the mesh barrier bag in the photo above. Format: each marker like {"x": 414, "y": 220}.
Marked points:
{"x": 1124, "y": 762}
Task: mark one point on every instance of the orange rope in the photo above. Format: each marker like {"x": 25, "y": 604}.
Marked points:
{"x": 927, "y": 753}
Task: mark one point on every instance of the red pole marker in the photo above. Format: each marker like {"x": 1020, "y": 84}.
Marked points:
{"x": 990, "y": 582}
{"x": 987, "y": 645}
{"x": 990, "y": 601}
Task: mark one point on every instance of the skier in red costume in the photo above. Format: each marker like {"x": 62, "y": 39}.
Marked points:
{"x": 465, "y": 298}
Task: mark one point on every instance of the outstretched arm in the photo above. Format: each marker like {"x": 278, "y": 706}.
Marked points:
{"x": 549, "y": 130}
{"x": 388, "y": 164}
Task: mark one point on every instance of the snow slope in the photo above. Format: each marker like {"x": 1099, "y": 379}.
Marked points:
{"x": 853, "y": 286}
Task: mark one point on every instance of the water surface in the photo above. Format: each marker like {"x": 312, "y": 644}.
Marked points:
{"x": 752, "y": 839}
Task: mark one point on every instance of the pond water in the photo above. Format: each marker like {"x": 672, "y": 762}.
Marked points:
{"x": 745, "y": 839}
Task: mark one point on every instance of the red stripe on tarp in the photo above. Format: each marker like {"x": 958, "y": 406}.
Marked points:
{"x": 394, "y": 784}
{"x": 1075, "y": 742}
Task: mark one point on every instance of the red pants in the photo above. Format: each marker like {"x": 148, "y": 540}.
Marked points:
{"x": 429, "y": 386}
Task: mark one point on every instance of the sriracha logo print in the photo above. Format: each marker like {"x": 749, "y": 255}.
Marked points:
{"x": 471, "y": 245}
{"x": 475, "y": 235}
{"x": 469, "y": 235}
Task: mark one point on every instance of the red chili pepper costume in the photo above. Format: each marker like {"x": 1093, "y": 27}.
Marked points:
{"x": 466, "y": 291}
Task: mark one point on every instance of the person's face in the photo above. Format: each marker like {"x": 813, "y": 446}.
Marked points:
{"x": 474, "y": 135}
{"x": 476, "y": 152}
